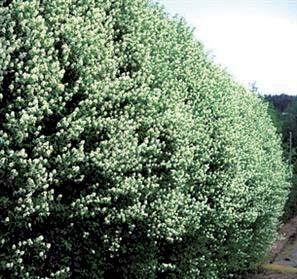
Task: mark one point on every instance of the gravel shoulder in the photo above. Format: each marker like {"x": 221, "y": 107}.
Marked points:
{"x": 282, "y": 260}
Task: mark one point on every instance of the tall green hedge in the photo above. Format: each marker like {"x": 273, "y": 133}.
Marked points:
{"x": 124, "y": 151}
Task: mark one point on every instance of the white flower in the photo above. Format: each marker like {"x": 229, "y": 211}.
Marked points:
{"x": 40, "y": 238}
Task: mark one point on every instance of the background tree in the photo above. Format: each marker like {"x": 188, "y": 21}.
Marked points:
{"x": 286, "y": 113}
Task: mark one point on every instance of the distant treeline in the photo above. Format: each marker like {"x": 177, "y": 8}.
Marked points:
{"x": 283, "y": 111}
{"x": 284, "y": 114}
{"x": 281, "y": 102}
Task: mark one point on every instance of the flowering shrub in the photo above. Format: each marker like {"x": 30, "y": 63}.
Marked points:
{"x": 124, "y": 152}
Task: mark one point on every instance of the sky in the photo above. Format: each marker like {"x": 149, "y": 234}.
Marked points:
{"x": 256, "y": 41}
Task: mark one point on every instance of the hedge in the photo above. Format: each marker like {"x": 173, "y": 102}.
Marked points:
{"x": 124, "y": 151}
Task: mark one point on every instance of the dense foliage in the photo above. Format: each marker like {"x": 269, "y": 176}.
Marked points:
{"x": 125, "y": 153}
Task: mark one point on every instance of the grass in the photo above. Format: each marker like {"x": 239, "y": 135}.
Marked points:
{"x": 280, "y": 268}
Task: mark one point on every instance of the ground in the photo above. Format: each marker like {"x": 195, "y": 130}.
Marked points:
{"x": 273, "y": 275}
{"x": 281, "y": 262}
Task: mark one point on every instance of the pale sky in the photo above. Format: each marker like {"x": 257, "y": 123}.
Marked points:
{"x": 254, "y": 40}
